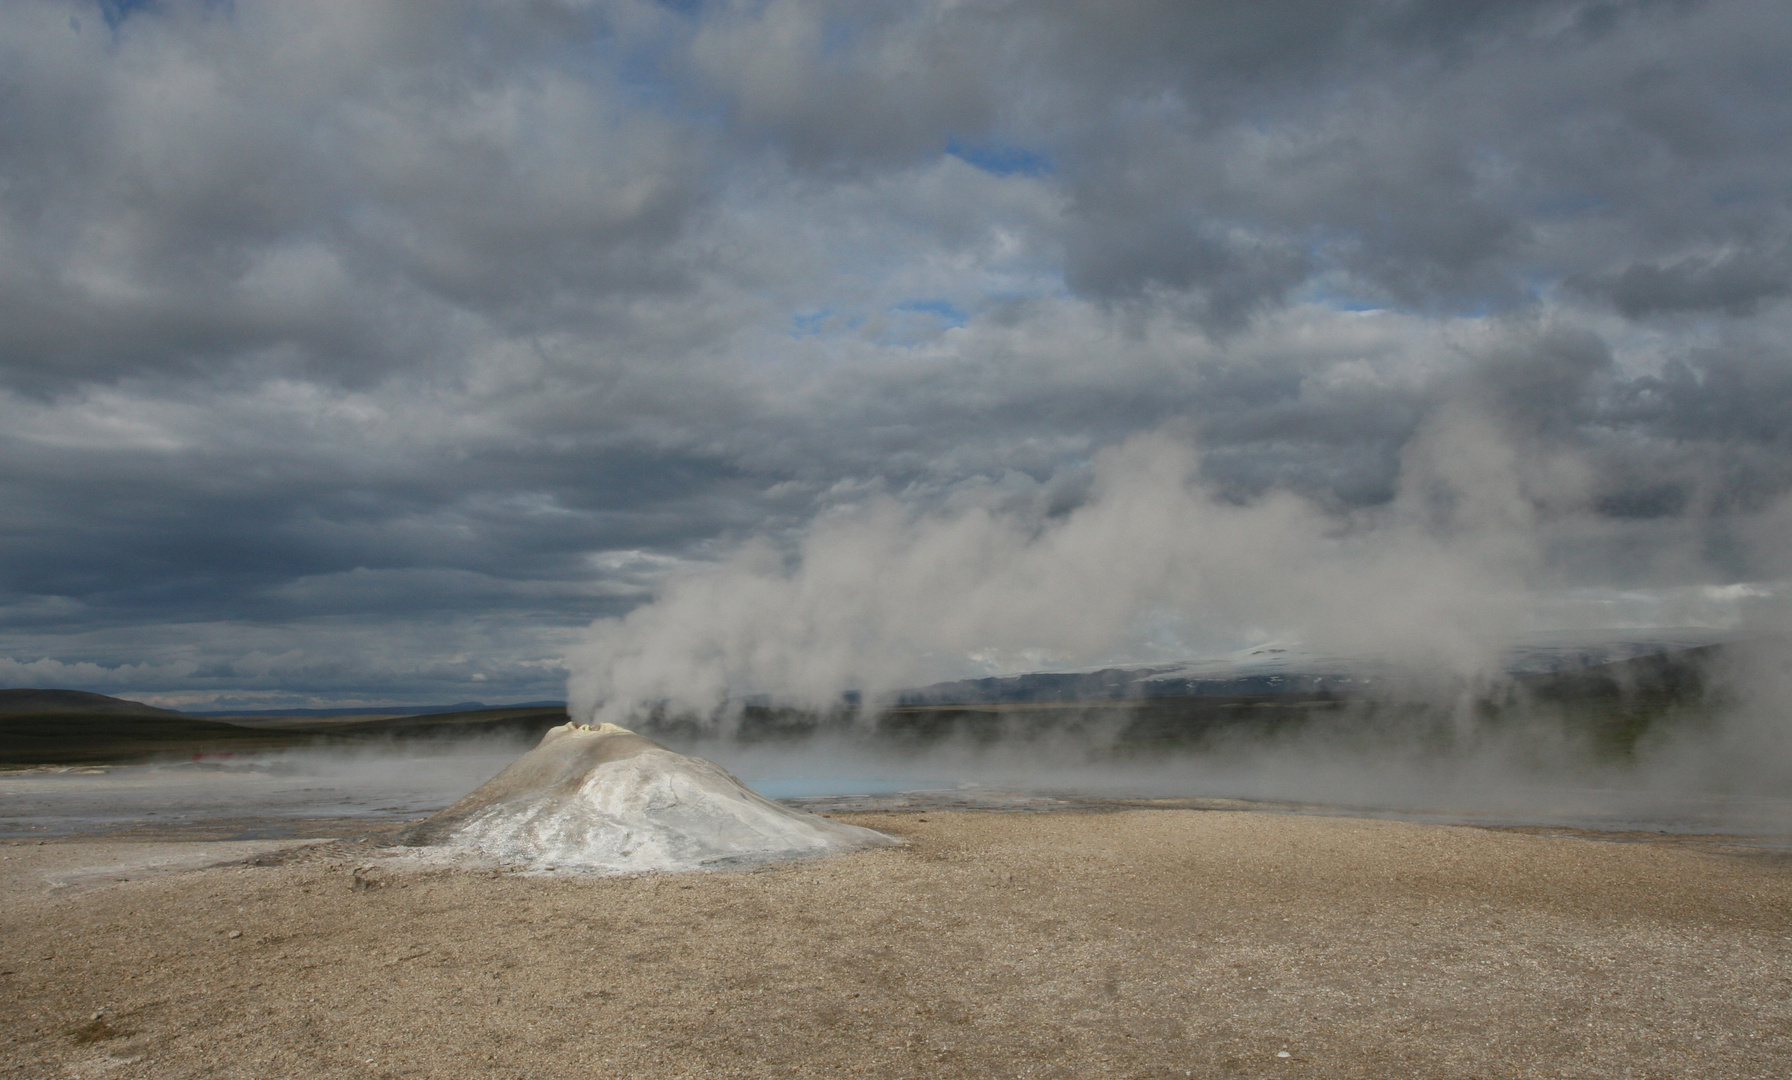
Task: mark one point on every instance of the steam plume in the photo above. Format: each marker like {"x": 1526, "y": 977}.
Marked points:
{"x": 1153, "y": 564}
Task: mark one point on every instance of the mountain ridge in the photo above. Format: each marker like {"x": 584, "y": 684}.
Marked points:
{"x": 36, "y": 701}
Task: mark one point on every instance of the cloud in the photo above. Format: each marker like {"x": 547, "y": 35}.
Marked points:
{"x": 381, "y": 318}
{"x": 1733, "y": 285}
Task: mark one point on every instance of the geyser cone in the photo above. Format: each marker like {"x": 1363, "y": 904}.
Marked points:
{"x": 608, "y": 800}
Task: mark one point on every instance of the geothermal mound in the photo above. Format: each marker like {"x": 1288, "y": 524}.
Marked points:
{"x": 605, "y": 799}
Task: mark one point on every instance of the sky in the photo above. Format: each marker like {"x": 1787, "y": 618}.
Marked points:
{"x": 367, "y": 352}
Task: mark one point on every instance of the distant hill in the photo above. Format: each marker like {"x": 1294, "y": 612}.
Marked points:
{"x": 67, "y": 727}
{"x": 54, "y": 702}
{"x": 1610, "y": 689}
{"x": 372, "y": 710}
{"x": 71, "y": 738}
{"x": 1278, "y": 670}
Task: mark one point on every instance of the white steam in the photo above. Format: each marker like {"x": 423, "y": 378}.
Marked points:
{"x": 1154, "y": 564}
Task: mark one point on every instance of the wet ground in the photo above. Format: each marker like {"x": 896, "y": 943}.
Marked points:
{"x": 315, "y": 793}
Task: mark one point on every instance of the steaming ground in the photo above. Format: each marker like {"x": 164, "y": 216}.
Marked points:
{"x": 249, "y": 796}
{"x": 1467, "y": 790}
{"x": 288, "y": 794}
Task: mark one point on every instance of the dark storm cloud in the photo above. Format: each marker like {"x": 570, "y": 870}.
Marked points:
{"x": 1731, "y": 285}
{"x": 453, "y": 327}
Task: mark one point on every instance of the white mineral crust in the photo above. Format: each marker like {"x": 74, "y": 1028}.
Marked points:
{"x": 605, "y": 800}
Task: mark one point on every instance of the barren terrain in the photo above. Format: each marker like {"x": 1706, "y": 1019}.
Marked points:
{"x": 1136, "y": 943}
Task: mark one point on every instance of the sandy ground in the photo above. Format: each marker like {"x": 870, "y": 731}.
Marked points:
{"x": 1141, "y": 943}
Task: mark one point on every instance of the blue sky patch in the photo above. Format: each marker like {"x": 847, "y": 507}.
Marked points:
{"x": 117, "y": 11}
{"x": 810, "y": 324}
{"x": 944, "y": 310}
{"x": 1000, "y": 159}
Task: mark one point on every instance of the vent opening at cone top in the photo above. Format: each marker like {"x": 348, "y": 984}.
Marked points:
{"x": 606, "y": 800}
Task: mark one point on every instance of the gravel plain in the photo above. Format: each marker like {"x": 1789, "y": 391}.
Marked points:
{"x": 1072, "y": 943}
